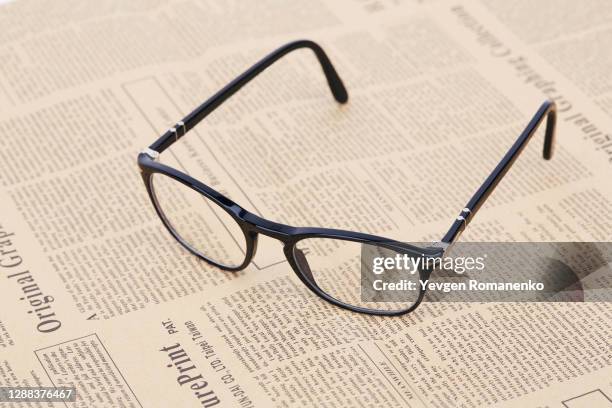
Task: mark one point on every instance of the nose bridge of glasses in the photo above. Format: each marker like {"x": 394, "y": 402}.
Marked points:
{"x": 269, "y": 228}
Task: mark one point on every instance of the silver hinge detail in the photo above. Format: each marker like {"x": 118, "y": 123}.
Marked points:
{"x": 151, "y": 153}
{"x": 442, "y": 245}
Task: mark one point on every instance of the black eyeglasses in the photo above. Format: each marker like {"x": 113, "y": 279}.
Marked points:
{"x": 327, "y": 261}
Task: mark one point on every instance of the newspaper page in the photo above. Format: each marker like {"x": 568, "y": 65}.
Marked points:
{"x": 96, "y": 293}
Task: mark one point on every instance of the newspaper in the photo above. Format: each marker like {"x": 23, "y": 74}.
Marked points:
{"x": 96, "y": 294}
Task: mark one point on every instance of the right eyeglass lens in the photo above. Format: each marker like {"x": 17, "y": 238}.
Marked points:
{"x": 362, "y": 275}
{"x": 201, "y": 224}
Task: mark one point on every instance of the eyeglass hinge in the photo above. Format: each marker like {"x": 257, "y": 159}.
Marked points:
{"x": 442, "y": 245}
{"x": 151, "y": 153}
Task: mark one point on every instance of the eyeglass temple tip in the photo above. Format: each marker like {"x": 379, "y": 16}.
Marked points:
{"x": 550, "y": 108}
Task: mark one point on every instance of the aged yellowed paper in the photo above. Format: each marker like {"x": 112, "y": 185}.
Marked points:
{"x": 96, "y": 293}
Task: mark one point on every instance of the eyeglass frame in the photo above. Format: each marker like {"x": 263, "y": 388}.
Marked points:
{"x": 252, "y": 225}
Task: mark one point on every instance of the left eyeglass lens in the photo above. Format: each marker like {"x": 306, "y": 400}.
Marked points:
{"x": 200, "y": 223}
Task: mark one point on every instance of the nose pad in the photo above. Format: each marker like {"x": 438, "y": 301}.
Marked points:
{"x": 302, "y": 263}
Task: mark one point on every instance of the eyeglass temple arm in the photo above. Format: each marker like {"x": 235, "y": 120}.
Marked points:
{"x": 548, "y": 110}
{"x": 191, "y": 120}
